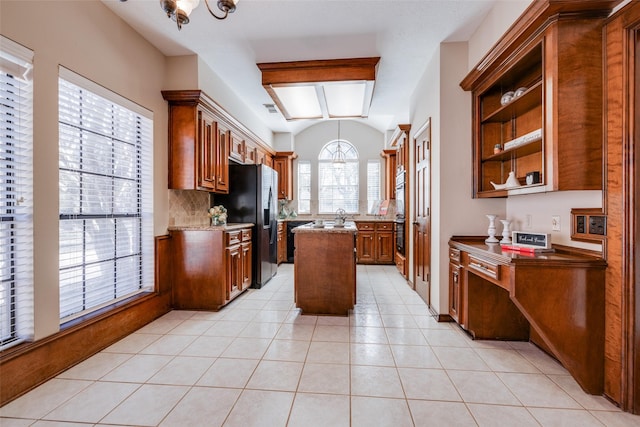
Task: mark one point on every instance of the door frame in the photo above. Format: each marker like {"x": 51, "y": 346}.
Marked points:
{"x": 426, "y": 127}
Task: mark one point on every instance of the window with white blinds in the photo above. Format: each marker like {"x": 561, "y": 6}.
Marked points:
{"x": 16, "y": 194}
{"x": 338, "y": 182}
{"x": 304, "y": 186}
{"x": 106, "y": 218}
{"x": 373, "y": 183}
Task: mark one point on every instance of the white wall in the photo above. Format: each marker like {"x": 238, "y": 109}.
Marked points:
{"x": 493, "y": 26}
{"x": 89, "y": 39}
{"x": 453, "y": 210}
{"x": 368, "y": 141}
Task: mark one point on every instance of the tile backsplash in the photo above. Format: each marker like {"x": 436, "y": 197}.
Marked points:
{"x": 188, "y": 207}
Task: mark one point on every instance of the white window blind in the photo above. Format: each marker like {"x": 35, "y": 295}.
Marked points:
{"x": 106, "y": 218}
{"x": 373, "y": 183}
{"x": 338, "y": 182}
{"x": 16, "y": 194}
{"x": 304, "y": 186}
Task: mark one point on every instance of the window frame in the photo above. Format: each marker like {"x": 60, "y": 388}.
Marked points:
{"x": 352, "y": 161}
{"x": 138, "y": 210}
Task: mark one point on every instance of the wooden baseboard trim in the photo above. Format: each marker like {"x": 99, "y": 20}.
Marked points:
{"x": 440, "y": 317}
{"x": 28, "y": 365}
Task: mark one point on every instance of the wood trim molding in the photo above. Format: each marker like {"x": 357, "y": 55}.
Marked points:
{"x": 26, "y": 366}
{"x": 622, "y": 170}
{"x": 196, "y": 96}
{"x": 535, "y": 17}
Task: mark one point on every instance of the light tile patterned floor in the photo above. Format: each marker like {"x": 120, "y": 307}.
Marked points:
{"x": 258, "y": 362}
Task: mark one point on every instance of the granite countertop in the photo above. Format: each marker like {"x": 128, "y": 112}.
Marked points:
{"x": 330, "y": 219}
{"x": 328, "y": 227}
{"x": 225, "y": 227}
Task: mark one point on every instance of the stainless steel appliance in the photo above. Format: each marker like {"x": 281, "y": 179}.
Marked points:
{"x": 253, "y": 198}
{"x": 400, "y": 199}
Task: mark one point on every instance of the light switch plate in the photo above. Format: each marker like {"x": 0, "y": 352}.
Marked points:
{"x": 555, "y": 223}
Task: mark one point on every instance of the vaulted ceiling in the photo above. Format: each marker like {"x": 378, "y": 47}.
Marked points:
{"x": 404, "y": 33}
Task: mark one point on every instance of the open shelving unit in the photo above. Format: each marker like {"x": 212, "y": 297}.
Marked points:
{"x": 558, "y": 67}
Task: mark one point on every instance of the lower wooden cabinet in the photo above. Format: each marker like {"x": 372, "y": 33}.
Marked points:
{"x": 282, "y": 243}
{"x": 375, "y": 242}
{"x": 212, "y": 266}
{"x": 456, "y": 288}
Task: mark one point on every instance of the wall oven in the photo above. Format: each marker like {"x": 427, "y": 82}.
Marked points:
{"x": 400, "y": 201}
{"x": 400, "y": 211}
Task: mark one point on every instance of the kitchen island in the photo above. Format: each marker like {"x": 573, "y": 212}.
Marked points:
{"x": 325, "y": 269}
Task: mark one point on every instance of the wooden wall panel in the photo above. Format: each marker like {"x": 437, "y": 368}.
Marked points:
{"x": 620, "y": 168}
{"x": 26, "y": 366}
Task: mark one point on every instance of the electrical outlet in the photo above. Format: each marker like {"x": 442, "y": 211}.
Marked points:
{"x": 555, "y": 222}
{"x": 528, "y": 222}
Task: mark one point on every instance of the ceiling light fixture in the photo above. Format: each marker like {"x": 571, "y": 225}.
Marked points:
{"x": 338, "y": 155}
{"x": 334, "y": 88}
{"x": 179, "y": 10}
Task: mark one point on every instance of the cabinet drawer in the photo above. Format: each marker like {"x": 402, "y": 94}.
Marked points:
{"x": 366, "y": 225}
{"x": 233, "y": 237}
{"x": 246, "y": 235}
{"x": 280, "y": 226}
{"x": 484, "y": 268}
{"x": 384, "y": 226}
{"x": 454, "y": 254}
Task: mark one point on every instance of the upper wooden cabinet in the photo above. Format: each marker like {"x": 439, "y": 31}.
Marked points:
{"x": 202, "y": 140}
{"x": 283, "y": 164}
{"x": 389, "y": 157}
{"x": 537, "y": 102}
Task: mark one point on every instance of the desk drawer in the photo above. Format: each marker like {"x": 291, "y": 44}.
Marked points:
{"x": 454, "y": 255}
{"x": 484, "y": 268}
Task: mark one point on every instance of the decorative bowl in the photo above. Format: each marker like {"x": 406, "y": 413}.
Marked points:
{"x": 519, "y": 91}
{"x": 507, "y": 98}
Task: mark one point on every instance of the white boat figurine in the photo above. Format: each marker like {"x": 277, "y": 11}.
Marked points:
{"x": 512, "y": 182}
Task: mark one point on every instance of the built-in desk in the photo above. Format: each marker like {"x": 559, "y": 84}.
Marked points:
{"x": 556, "y": 300}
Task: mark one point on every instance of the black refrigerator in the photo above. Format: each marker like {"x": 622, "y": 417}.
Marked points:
{"x": 252, "y": 198}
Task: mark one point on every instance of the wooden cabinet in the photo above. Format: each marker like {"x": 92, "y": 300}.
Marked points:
{"x": 211, "y": 266}
{"x": 282, "y": 243}
{"x": 537, "y": 104}
{"x": 198, "y": 143}
{"x": 390, "y": 173}
{"x": 283, "y": 164}
{"x": 203, "y": 138}
{"x": 456, "y": 298}
{"x": 237, "y": 148}
{"x": 375, "y": 243}
{"x": 222, "y": 158}
{"x": 324, "y": 270}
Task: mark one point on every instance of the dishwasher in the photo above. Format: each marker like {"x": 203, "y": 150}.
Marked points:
{"x": 290, "y": 243}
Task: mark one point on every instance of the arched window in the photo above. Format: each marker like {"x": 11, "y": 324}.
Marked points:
{"x": 338, "y": 181}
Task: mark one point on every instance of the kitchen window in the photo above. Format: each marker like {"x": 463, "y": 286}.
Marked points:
{"x": 338, "y": 182}
{"x": 304, "y": 186}
{"x": 106, "y": 218}
{"x": 16, "y": 194}
{"x": 373, "y": 183}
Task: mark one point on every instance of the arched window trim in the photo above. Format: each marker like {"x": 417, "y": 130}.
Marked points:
{"x": 340, "y": 187}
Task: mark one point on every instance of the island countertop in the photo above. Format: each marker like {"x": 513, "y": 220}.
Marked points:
{"x": 328, "y": 227}
{"x": 224, "y": 227}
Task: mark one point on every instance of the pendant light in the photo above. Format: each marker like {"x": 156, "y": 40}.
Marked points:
{"x": 338, "y": 155}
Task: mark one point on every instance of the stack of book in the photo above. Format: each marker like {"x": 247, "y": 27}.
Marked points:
{"x": 524, "y": 139}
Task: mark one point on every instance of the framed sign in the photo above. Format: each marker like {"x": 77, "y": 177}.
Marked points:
{"x": 532, "y": 240}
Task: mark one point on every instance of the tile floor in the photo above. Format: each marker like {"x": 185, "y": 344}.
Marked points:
{"x": 258, "y": 362}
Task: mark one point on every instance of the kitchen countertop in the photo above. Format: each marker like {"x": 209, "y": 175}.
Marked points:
{"x": 349, "y": 227}
{"x": 363, "y": 219}
{"x": 225, "y": 227}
